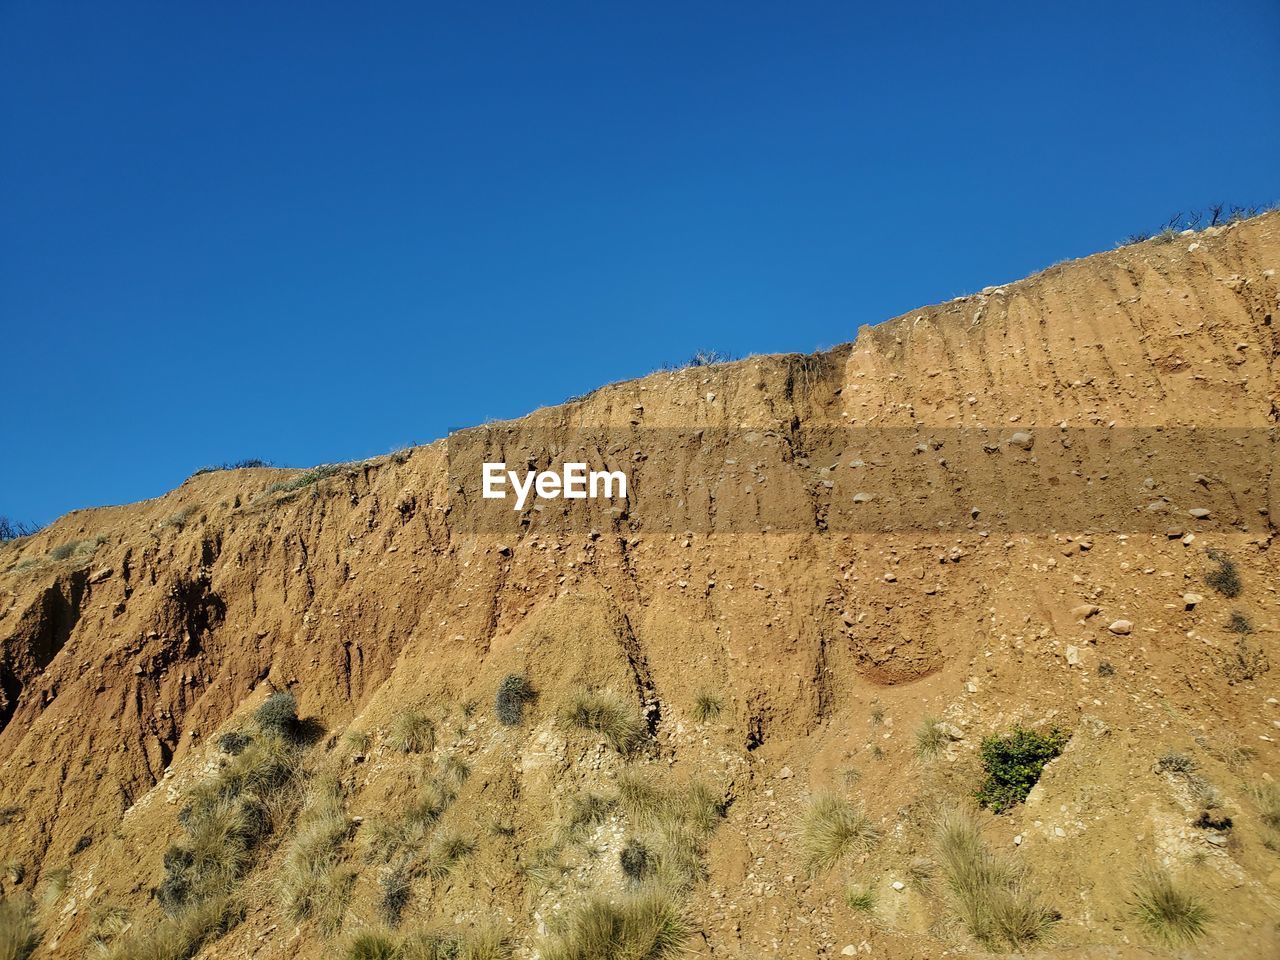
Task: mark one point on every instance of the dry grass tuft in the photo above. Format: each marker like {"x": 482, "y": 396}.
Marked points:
{"x": 609, "y": 715}
{"x": 988, "y": 893}
{"x": 19, "y": 935}
{"x": 831, "y": 828}
{"x": 175, "y": 938}
{"x": 310, "y": 882}
{"x": 412, "y": 732}
{"x": 929, "y": 737}
{"x": 645, "y": 926}
{"x": 1169, "y": 912}
{"x": 707, "y": 706}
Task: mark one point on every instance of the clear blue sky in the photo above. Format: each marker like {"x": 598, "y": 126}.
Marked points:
{"x": 317, "y": 231}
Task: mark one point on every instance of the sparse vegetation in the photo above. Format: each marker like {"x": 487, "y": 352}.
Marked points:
{"x": 587, "y": 810}
{"x": 1245, "y": 662}
{"x": 1225, "y": 576}
{"x": 372, "y": 945}
{"x": 833, "y": 827}
{"x": 412, "y": 732}
{"x": 1177, "y": 763}
{"x": 513, "y": 693}
{"x": 15, "y": 529}
{"x": 706, "y": 706}
{"x": 483, "y": 944}
{"x": 233, "y": 465}
{"x": 645, "y": 925}
{"x": 1239, "y": 623}
{"x": 396, "y": 893}
{"x": 357, "y": 741}
{"x": 862, "y": 899}
{"x": 1105, "y": 669}
{"x": 176, "y": 937}
{"x": 1167, "y": 910}
{"x": 312, "y": 884}
{"x": 1014, "y": 763}
{"x": 930, "y": 738}
{"x": 1266, "y": 794}
{"x": 19, "y": 935}
{"x": 988, "y": 893}
{"x": 607, "y": 714}
{"x": 315, "y": 475}
{"x": 233, "y": 744}
{"x": 635, "y": 860}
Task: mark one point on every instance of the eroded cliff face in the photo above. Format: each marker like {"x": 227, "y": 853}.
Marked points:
{"x": 130, "y": 637}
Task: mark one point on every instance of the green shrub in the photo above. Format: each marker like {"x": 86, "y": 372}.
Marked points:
{"x": 1014, "y": 763}
{"x": 513, "y": 693}
{"x": 831, "y": 828}
{"x": 1168, "y": 911}
{"x": 606, "y": 713}
{"x": 643, "y": 926}
{"x": 233, "y": 744}
{"x": 18, "y": 933}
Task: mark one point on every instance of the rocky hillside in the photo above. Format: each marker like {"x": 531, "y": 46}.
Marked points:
{"x": 729, "y": 716}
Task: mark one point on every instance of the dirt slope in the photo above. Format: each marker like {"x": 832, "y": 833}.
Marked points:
{"x": 131, "y": 637}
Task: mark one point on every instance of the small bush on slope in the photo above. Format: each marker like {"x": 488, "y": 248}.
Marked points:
{"x": 643, "y": 926}
{"x": 18, "y": 933}
{"x": 831, "y": 828}
{"x": 988, "y": 893}
{"x": 606, "y": 713}
{"x": 278, "y": 716}
{"x": 175, "y": 938}
{"x": 707, "y": 706}
{"x": 929, "y": 737}
{"x": 1168, "y": 911}
{"x": 513, "y": 693}
{"x": 1014, "y": 763}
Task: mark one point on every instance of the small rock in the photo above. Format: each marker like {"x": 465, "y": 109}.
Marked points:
{"x": 100, "y": 575}
{"x": 1199, "y": 513}
{"x": 890, "y": 577}
{"x": 1022, "y": 439}
{"x": 849, "y": 951}
{"x": 862, "y": 498}
{"x": 1017, "y": 841}
{"x": 1121, "y": 627}
{"x": 899, "y": 885}
{"x": 785, "y": 773}
{"x": 1191, "y": 599}
{"x": 1084, "y": 611}
{"x": 1073, "y": 656}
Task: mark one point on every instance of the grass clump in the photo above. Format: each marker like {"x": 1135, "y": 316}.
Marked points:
{"x": 372, "y": 945}
{"x": 310, "y": 880}
{"x": 862, "y": 899}
{"x": 607, "y": 714}
{"x": 929, "y": 737}
{"x": 1167, "y": 911}
{"x": 1014, "y": 763}
{"x": 833, "y": 827}
{"x": 707, "y": 706}
{"x": 1267, "y": 797}
{"x": 513, "y": 693}
{"x": 19, "y": 935}
{"x": 175, "y": 938}
{"x": 635, "y": 860}
{"x": 322, "y": 472}
{"x": 1225, "y": 576}
{"x": 989, "y": 894}
{"x": 587, "y": 810}
{"x": 412, "y": 732}
{"x": 643, "y": 926}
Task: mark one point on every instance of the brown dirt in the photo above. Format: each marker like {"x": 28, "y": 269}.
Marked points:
{"x": 362, "y": 592}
